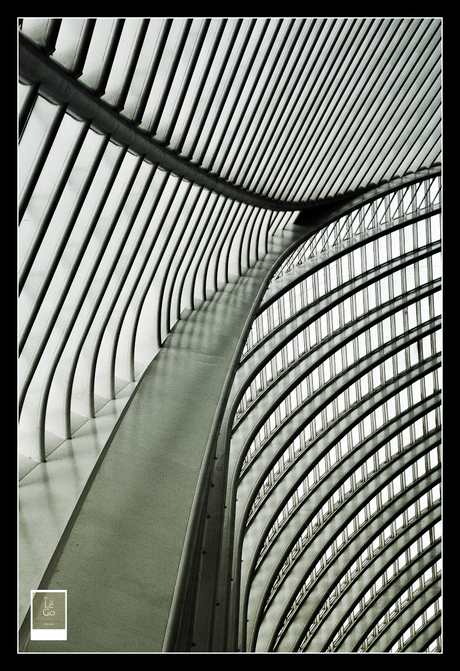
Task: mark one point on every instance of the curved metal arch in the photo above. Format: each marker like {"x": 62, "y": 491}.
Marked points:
{"x": 264, "y": 104}
{"x": 52, "y": 205}
{"x": 385, "y": 557}
{"x": 305, "y": 77}
{"x": 272, "y": 562}
{"x": 406, "y": 616}
{"x": 45, "y": 147}
{"x": 171, "y": 259}
{"x": 112, "y": 376}
{"x": 322, "y": 637}
{"x": 335, "y": 343}
{"x": 121, "y": 313}
{"x": 250, "y": 60}
{"x": 167, "y": 299}
{"x": 358, "y": 543}
{"x": 309, "y": 41}
{"x": 233, "y": 467}
{"x": 291, "y": 329}
{"x": 26, "y": 108}
{"x": 354, "y": 637}
{"x": 219, "y": 205}
{"x": 309, "y": 116}
{"x": 422, "y": 639}
{"x": 237, "y": 135}
{"x": 62, "y": 243}
{"x": 313, "y": 603}
{"x": 310, "y": 267}
{"x": 50, "y": 273}
{"x": 250, "y": 569}
{"x": 335, "y": 477}
{"x": 322, "y": 444}
{"x": 158, "y": 259}
{"x": 226, "y": 241}
{"x": 353, "y": 115}
{"x": 374, "y": 359}
{"x": 333, "y": 297}
{"x": 345, "y": 512}
{"x": 276, "y": 557}
{"x": 195, "y": 239}
{"x": 368, "y": 446}
{"x": 288, "y": 380}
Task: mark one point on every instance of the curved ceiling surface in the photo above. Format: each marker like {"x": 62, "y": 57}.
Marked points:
{"x": 158, "y": 158}
{"x": 294, "y": 109}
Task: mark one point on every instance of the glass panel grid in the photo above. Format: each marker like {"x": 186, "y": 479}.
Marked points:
{"x": 315, "y": 287}
{"x": 358, "y": 566}
{"x": 356, "y": 349}
{"x": 395, "y": 244}
{"x": 379, "y": 213}
{"x": 369, "y": 469}
{"x": 343, "y": 404}
{"x": 379, "y": 585}
{"x": 416, "y": 588}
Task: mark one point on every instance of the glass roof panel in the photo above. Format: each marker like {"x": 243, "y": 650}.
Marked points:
{"x": 67, "y": 42}
{"x": 246, "y": 97}
{"x": 112, "y": 248}
{"x": 98, "y": 50}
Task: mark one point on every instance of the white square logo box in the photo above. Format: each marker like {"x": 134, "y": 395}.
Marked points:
{"x": 48, "y": 619}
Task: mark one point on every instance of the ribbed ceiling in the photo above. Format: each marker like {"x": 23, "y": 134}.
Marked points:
{"x": 335, "y": 450}
{"x": 295, "y": 109}
{"x": 158, "y": 159}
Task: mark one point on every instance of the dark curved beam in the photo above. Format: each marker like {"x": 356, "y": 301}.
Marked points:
{"x": 314, "y": 549}
{"x": 355, "y": 637}
{"x": 256, "y": 359}
{"x": 424, "y": 637}
{"x": 406, "y": 617}
{"x": 339, "y": 339}
{"x": 341, "y": 383}
{"x": 252, "y": 553}
{"x": 60, "y": 87}
{"x": 341, "y": 250}
{"x": 304, "y": 515}
{"x": 341, "y": 608}
{"x": 292, "y": 636}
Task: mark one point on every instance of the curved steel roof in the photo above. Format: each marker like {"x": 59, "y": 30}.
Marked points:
{"x": 208, "y": 129}
{"x": 158, "y": 159}
{"x": 295, "y": 110}
{"x": 334, "y": 457}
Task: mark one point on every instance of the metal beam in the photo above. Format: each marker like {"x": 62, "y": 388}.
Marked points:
{"x": 406, "y": 616}
{"x": 354, "y": 637}
{"x": 332, "y": 526}
{"x": 291, "y": 638}
{"x": 59, "y": 87}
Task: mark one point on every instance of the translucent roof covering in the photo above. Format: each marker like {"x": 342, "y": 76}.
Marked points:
{"x": 337, "y": 429}
{"x": 158, "y": 156}
{"x": 161, "y": 159}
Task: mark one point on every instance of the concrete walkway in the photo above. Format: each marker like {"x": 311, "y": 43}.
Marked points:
{"x": 127, "y": 545}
